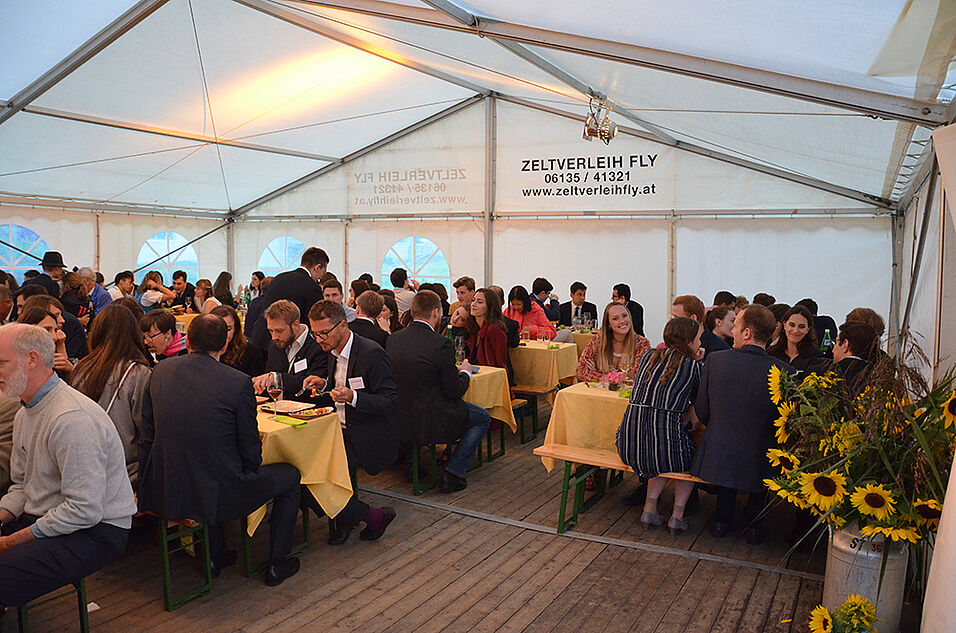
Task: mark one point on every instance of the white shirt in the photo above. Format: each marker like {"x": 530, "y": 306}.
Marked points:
{"x": 297, "y": 344}
{"x": 403, "y": 297}
{"x": 116, "y": 293}
{"x": 341, "y": 376}
{"x": 349, "y": 314}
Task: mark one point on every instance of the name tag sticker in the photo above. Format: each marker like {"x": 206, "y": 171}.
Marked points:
{"x": 300, "y": 365}
{"x": 356, "y": 383}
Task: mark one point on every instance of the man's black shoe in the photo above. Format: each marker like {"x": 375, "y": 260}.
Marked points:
{"x": 753, "y": 535}
{"x": 719, "y": 529}
{"x": 228, "y": 559}
{"x": 277, "y": 573}
{"x": 339, "y": 533}
{"x": 372, "y": 535}
{"x": 450, "y": 482}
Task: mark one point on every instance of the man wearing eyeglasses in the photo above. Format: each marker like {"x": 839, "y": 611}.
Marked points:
{"x": 361, "y": 388}
{"x": 292, "y": 353}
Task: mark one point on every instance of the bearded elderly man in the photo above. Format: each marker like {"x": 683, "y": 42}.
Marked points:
{"x": 69, "y": 509}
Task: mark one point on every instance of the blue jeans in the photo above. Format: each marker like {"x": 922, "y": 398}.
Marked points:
{"x": 478, "y": 421}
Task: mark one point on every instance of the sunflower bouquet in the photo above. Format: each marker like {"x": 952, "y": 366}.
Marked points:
{"x": 856, "y": 615}
{"x": 877, "y": 453}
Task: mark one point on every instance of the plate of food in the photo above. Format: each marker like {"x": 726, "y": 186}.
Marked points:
{"x": 310, "y": 414}
{"x": 285, "y": 406}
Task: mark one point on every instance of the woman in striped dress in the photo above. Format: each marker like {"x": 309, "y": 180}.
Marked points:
{"x": 653, "y": 438}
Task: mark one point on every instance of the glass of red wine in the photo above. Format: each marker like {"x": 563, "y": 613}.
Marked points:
{"x": 275, "y": 392}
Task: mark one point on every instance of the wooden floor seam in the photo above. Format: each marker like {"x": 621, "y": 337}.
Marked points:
{"x": 604, "y": 540}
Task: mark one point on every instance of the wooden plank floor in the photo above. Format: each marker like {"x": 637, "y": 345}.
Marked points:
{"x": 484, "y": 559}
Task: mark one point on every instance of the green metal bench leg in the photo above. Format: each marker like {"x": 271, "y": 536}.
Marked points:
{"x": 418, "y": 489}
{"x": 578, "y": 504}
{"x": 492, "y": 456}
{"x": 79, "y": 588}
{"x": 533, "y": 405}
{"x": 170, "y": 602}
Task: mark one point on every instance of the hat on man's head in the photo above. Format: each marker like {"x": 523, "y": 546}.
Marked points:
{"x": 52, "y": 259}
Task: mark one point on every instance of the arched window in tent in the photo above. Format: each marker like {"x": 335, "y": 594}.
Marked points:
{"x": 281, "y": 254}
{"x": 421, "y": 257}
{"x": 158, "y": 246}
{"x": 12, "y": 260}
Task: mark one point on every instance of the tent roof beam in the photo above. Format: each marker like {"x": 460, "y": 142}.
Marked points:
{"x": 870, "y": 102}
{"x": 95, "y": 206}
{"x": 136, "y": 14}
{"x": 186, "y": 136}
{"x": 727, "y": 158}
{"x": 454, "y": 10}
{"x": 278, "y": 11}
{"x": 438, "y": 116}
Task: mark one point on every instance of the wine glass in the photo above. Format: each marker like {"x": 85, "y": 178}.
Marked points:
{"x": 275, "y": 392}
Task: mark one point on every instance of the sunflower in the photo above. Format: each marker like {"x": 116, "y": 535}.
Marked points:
{"x": 949, "y": 408}
{"x": 904, "y": 533}
{"x": 783, "y": 460}
{"x": 830, "y": 518}
{"x": 847, "y": 437}
{"x": 820, "y": 620}
{"x": 772, "y": 485}
{"x": 859, "y": 613}
{"x": 792, "y": 497}
{"x": 873, "y": 500}
{"x": 780, "y": 423}
{"x": 823, "y": 489}
{"x": 928, "y": 512}
{"x": 773, "y": 382}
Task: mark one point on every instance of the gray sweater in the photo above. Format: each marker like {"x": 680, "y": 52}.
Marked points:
{"x": 68, "y": 466}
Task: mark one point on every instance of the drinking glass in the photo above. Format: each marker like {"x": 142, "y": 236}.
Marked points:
{"x": 525, "y": 333}
{"x": 275, "y": 392}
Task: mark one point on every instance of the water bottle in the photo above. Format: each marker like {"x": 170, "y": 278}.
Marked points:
{"x": 827, "y": 341}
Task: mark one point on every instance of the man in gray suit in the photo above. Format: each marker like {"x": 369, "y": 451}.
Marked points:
{"x": 734, "y": 403}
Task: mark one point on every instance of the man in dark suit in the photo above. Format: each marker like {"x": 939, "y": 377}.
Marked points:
{"x": 621, "y": 293}
{"x": 430, "y": 388}
{"x": 200, "y": 452}
{"x": 292, "y": 353}
{"x": 368, "y": 305}
{"x": 52, "y": 274}
{"x": 734, "y": 404}
{"x": 855, "y": 349}
{"x": 361, "y": 388}
{"x": 577, "y": 307}
{"x": 300, "y": 286}
{"x": 184, "y": 290}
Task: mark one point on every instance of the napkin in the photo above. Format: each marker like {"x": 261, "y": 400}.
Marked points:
{"x": 284, "y": 419}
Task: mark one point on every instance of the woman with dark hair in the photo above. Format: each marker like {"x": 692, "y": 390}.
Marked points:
{"x": 130, "y": 304}
{"x": 778, "y": 310}
{"x": 222, "y": 289}
{"x": 239, "y": 354}
{"x": 720, "y": 322}
{"x": 388, "y": 319}
{"x": 40, "y": 316}
{"x": 487, "y": 342}
{"x": 653, "y": 437}
{"x": 74, "y": 298}
{"x": 618, "y": 347}
{"x": 797, "y": 343}
{"x": 115, "y": 374}
{"x": 527, "y": 313}
{"x": 8, "y": 280}
{"x": 151, "y": 293}
{"x": 255, "y": 290}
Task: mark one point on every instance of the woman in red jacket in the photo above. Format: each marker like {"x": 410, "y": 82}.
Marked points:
{"x": 528, "y": 313}
{"x": 487, "y": 343}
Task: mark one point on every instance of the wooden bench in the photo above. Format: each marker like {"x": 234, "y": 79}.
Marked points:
{"x": 589, "y": 462}
{"x": 531, "y": 392}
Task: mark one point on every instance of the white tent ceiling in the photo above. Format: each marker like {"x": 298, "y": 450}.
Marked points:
{"x": 210, "y": 105}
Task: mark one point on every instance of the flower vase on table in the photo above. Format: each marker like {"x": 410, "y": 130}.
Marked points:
{"x": 614, "y": 380}
{"x": 870, "y": 462}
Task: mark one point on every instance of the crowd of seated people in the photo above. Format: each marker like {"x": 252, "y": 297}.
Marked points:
{"x": 146, "y": 407}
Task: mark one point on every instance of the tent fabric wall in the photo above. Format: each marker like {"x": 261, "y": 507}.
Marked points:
{"x": 841, "y": 263}
{"x": 251, "y": 238}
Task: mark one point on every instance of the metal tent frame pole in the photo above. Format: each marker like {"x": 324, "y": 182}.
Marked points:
{"x": 491, "y": 157}
{"x": 920, "y": 248}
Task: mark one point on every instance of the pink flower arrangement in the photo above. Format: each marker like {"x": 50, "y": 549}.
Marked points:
{"x": 614, "y": 379}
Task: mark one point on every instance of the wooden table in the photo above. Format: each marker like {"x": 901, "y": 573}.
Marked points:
{"x": 537, "y": 366}
{"x": 489, "y": 390}
{"x": 585, "y": 417}
{"x": 317, "y": 449}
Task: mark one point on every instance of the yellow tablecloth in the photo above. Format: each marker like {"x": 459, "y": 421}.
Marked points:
{"x": 183, "y": 321}
{"x": 489, "y": 390}
{"x": 585, "y": 417}
{"x": 536, "y": 365}
{"x": 317, "y": 450}
{"x": 582, "y": 340}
